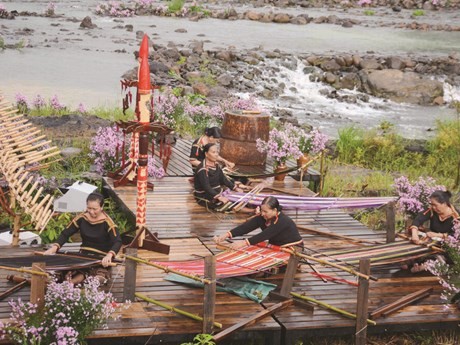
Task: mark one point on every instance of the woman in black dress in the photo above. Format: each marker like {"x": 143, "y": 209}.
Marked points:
{"x": 211, "y": 136}
{"x": 441, "y": 214}
{"x": 277, "y": 228}
{"x": 210, "y": 180}
{"x": 97, "y": 231}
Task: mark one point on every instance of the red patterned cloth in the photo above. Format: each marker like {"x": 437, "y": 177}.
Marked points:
{"x": 242, "y": 262}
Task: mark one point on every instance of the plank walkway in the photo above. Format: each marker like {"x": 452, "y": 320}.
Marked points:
{"x": 189, "y": 228}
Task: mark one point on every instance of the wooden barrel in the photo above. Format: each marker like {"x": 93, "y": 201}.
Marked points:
{"x": 239, "y": 134}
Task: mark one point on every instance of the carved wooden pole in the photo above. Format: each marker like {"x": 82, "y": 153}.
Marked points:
{"x": 143, "y": 105}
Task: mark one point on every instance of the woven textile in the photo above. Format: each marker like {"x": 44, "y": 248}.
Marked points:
{"x": 378, "y": 255}
{"x": 311, "y": 203}
{"x": 246, "y": 261}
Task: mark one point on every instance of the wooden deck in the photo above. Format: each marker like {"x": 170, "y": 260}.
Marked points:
{"x": 189, "y": 228}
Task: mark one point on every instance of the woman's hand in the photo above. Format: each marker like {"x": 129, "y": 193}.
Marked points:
{"x": 239, "y": 190}
{"x": 107, "y": 260}
{"x": 229, "y": 165}
{"x": 51, "y": 251}
{"x": 221, "y": 238}
{"x": 222, "y": 199}
{"x": 435, "y": 235}
{"x": 238, "y": 244}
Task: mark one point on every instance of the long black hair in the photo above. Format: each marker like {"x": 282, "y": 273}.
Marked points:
{"x": 443, "y": 197}
{"x": 272, "y": 202}
{"x": 213, "y": 132}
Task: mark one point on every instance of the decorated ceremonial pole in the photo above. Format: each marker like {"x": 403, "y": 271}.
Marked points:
{"x": 144, "y": 91}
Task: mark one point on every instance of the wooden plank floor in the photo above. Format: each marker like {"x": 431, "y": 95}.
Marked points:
{"x": 179, "y": 165}
{"x": 189, "y": 228}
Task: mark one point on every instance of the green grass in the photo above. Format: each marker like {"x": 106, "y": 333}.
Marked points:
{"x": 175, "y": 5}
{"x": 418, "y": 13}
{"x": 369, "y": 12}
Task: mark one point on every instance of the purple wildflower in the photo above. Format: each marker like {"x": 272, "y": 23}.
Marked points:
{"x": 414, "y": 198}
{"x": 21, "y": 102}
{"x": 55, "y": 104}
{"x": 39, "y": 102}
{"x": 81, "y": 109}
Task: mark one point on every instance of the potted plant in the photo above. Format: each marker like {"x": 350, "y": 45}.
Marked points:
{"x": 281, "y": 147}
{"x": 308, "y": 143}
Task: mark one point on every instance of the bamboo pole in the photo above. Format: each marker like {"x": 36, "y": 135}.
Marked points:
{"x": 24, "y": 270}
{"x": 330, "y": 307}
{"x": 167, "y": 269}
{"x": 174, "y": 309}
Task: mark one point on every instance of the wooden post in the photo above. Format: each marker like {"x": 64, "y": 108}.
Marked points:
{"x": 37, "y": 285}
{"x": 129, "y": 284}
{"x": 16, "y": 221}
{"x": 321, "y": 174}
{"x": 288, "y": 280}
{"x": 362, "y": 303}
{"x": 209, "y": 303}
{"x": 391, "y": 221}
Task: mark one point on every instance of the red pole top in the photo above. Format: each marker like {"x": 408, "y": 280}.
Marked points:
{"x": 144, "y": 78}
{"x": 144, "y": 49}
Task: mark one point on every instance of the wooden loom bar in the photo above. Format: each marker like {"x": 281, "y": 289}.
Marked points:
{"x": 174, "y": 309}
{"x": 331, "y": 234}
{"x": 13, "y": 289}
{"x": 328, "y": 263}
{"x": 253, "y": 319}
{"x": 400, "y": 303}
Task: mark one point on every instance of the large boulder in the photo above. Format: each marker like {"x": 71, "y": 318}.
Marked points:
{"x": 402, "y": 86}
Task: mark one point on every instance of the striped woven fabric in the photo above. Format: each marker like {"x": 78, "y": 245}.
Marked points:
{"x": 384, "y": 254}
{"x": 310, "y": 203}
{"x": 246, "y": 261}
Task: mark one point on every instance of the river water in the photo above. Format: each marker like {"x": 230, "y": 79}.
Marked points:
{"x": 84, "y": 66}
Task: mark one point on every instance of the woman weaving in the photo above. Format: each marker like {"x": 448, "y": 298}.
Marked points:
{"x": 210, "y": 180}
{"x": 442, "y": 216}
{"x": 97, "y": 231}
{"x": 277, "y": 228}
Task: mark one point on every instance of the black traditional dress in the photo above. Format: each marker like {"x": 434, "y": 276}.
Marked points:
{"x": 197, "y": 152}
{"x": 280, "y": 231}
{"x": 102, "y": 235}
{"x": 436, "y": 224}
{"x": 209, "y": 183}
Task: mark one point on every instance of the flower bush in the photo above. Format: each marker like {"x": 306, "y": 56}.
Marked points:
{"x": 414, "y": 197}
{"x": 22, "y": 103}
{"x": 449, "y": 272}
{"x": 104, "y": 147}
{"x": 308, "y": 142}
{"x": 280, "y": 146}
{"x": 69, "y": 315}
